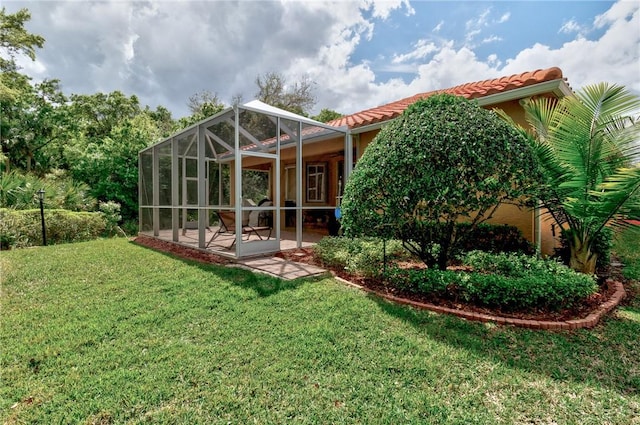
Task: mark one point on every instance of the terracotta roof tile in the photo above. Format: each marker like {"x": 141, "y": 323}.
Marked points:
{"x": 468, "y": 90}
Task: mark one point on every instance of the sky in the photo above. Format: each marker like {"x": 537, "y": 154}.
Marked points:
{"x": 359, "y": 54}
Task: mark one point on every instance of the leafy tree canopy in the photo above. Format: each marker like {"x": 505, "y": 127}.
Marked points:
{"x": 14, "y": 41}
{"x": 34, "y": 121}
{"x": 327, "y": 115}
{"x": 444, "y": 160}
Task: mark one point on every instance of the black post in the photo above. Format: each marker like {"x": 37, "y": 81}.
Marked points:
{"x": 44, "y": 230}
{"x": 384, "y": 254}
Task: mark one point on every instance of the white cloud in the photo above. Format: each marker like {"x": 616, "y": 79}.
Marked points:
{"x": 166, "y": 51}
{"x": 383, "y": 8}
{"x": 421, "y": 50}
{"x": 570, "y": 26}
{"x": 475, "y": 27}
{"x": 493, "y": 60}
{"x": 491, "y": 39}
{"x": 614, "y": 57}
{"x": 478, "y": 22}
{"x": 504, "y": 18}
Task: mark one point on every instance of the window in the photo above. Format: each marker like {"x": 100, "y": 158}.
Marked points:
{"x": 316, "y": 182}
{"x": 290, "y": 183}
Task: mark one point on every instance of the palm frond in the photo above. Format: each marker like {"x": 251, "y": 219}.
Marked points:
{"x": 620, "y": 194}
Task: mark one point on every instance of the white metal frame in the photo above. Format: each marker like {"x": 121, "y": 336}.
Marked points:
{"x": 206, "y": 139}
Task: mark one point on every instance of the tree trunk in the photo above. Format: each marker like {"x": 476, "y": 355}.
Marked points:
{"x": 582, "y": 259}
{"x": 446, "y": 243}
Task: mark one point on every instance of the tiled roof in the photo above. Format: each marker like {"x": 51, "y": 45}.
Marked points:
{"x": 468, "y": 90}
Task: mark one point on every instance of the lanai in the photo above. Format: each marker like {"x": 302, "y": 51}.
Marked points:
{"x": 190, "y": 177}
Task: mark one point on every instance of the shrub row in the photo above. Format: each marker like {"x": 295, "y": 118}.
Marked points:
{"x": 494, "y": 238}
{"x": 363, "y": 256}
{"x": 22, "y": 228}
{"x": 506, "y": 281}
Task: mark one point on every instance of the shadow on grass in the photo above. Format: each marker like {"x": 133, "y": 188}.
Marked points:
{"x": 607, "y": 355}
{"x": 262, "y": 284}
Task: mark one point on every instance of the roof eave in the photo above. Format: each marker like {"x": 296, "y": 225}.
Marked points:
{"x": 558, "y": 87}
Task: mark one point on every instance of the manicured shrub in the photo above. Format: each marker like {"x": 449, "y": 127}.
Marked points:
{"x": 549, "y": 291}
{"x": 443, "y": 160}
{"x": 22, "y": 228}
{"x": 495, "y": 238}
{"x": 439, "y": 283}
{"x": 510, "y": 264}
{"x": 506, "y": 281}
{"x": 363, "y": 256}
{"x": 111, "y": 212}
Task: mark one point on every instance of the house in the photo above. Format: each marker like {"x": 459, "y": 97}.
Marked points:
{"x": 297, "y": 168}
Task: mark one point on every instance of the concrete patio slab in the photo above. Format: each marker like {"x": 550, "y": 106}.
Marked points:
{"x": 278, "y": 267}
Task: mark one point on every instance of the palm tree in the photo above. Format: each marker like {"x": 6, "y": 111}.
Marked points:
{"x": 589, "y": 148}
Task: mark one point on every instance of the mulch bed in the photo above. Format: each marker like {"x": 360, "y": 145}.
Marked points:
{"x": 306, "y": 255}
{"x": 181, "y": 250}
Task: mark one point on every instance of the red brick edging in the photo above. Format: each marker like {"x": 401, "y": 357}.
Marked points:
{"x": 588, "y": 322}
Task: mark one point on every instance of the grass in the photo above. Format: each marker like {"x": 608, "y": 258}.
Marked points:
{"x": 110, "y": 332}
{"x": 627, "y": 246}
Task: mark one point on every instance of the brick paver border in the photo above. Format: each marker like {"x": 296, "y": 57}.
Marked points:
{"x": 587, "y": 322}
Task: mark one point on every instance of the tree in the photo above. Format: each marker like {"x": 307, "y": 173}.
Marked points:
{"x": 297, "y": 97}
{"x": 14, "y": 40}
{"x": 15, "y": 88}
{"x": 162, "y": 117}
{"x": 589, "y": 147}
{"x": 327, "y": 115}
{"x": 114, "y": 164}
{"x": 37, "y": 120}
{"x": 443, "y": 160}
{"x": 102, "y": 151}
{"x": 202, "y": 105}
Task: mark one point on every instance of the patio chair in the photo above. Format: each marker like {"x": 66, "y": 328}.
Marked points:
{"x": 227, "y": 221}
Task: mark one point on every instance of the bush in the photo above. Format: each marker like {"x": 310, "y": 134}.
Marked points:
{"x": 421, "y": 175}
{"x": 506, "y": 281}
{"x": 439, "y": 283}
{"x": 19, "y": 191}
{"x": 363, "y": 256}
{"x": 495, "y": 238}
{"x": 130, "y": 227}
{"x": 22, "y": 228}
{"x": 511, "y": 264}
{"x": 111, "y": 212}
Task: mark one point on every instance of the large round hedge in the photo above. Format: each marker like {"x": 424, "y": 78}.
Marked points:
{"x": 445, "y": 159}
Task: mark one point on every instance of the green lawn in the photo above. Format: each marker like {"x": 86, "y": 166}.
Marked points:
{"x": 110, "y": 332}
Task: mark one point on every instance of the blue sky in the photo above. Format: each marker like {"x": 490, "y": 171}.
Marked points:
{"x": 359, "y": 53}
{"x": 497, "y": 28}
